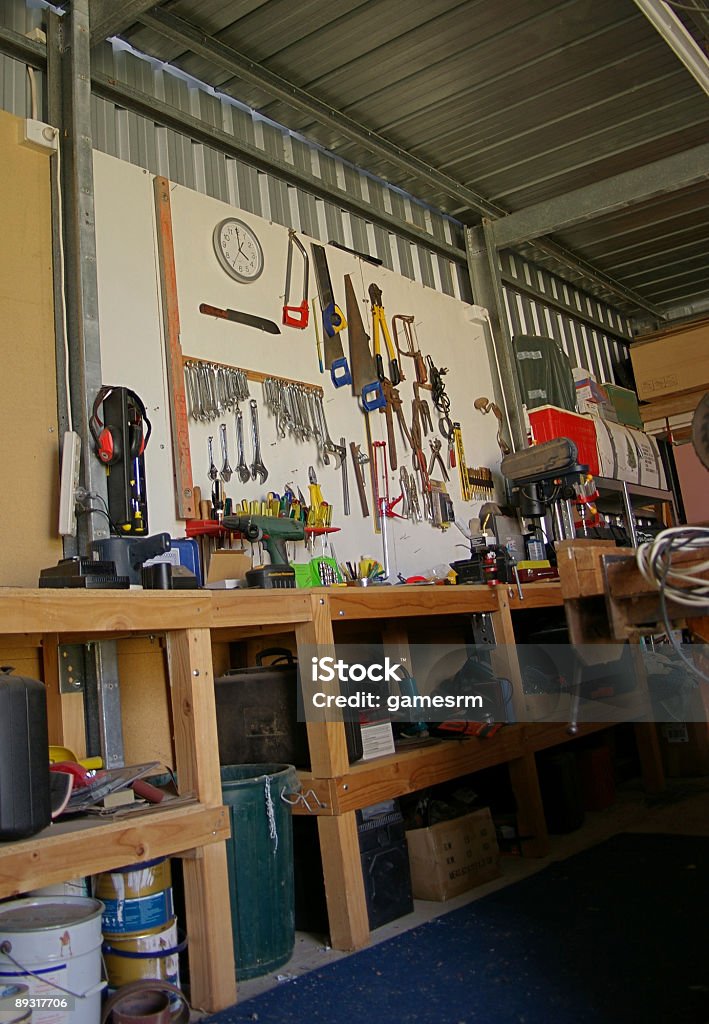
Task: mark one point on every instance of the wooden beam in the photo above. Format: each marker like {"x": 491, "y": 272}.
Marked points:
{"x": 179, "y": 427}
{"x": 531, "y": 820}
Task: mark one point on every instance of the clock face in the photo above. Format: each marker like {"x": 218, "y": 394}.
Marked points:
{"x": 238, "y": 250}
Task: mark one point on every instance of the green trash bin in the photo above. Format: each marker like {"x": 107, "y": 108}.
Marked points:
{"x": 260, "y": 861}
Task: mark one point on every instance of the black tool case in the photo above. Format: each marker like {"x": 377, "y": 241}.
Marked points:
{"x": 257, "y": 714}
{"x": 24, "y": 757}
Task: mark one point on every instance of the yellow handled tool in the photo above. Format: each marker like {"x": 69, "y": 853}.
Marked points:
{"x": 381, "y": 328}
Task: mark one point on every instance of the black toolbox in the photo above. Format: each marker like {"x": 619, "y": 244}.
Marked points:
{"x": 258, "y": 712}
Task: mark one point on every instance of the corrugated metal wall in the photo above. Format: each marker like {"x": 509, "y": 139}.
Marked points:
{"x": 584, "y": 345}
{"x": 140, "y": 141}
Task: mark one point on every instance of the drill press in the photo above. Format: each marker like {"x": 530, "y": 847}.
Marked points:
{"x": 274, "y": 534}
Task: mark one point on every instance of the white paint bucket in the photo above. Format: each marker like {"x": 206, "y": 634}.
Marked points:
{"x": 53, "y": 945}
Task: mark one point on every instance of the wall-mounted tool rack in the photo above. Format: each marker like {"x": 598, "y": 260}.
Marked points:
{"x": 253, "y": 375}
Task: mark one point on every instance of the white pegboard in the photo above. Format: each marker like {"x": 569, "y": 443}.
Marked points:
{"x": 133, "y": 355}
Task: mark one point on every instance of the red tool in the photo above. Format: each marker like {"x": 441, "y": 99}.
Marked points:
{"x": 296, "y": 316}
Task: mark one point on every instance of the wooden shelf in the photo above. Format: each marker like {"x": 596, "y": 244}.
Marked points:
{"x": 407, "y": 771}
{"x": 86, "y": 846}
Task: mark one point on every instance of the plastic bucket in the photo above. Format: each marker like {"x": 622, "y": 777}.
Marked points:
{"x": 260, "y": 861}
{"x": 153, "y": 955}
{"x": 137, "y": 898}
{"x": 13, "y": 1008}
{"x": 58, "y": 940}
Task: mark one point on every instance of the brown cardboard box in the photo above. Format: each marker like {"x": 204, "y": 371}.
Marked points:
{"x": 672, "y": 361}
{"x": 453, "y": 856}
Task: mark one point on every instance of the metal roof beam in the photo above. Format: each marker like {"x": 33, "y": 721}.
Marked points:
{"x": 604, "y": 197}
{"x": 238, "y": 64}
{"x": 679, "y": 40}
{"x": 108, "y": 18}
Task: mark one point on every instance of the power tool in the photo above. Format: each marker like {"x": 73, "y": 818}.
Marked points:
{"x": 274, "y": 533}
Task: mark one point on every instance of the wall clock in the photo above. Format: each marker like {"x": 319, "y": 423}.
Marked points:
{"x": 238, "y": 250}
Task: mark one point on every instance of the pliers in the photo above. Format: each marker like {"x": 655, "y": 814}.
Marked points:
{"x": 379, "y": 324}
{"x": 435, "y": 444}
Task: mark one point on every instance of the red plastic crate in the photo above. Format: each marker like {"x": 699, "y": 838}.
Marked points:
{"x": 549, "y": 422}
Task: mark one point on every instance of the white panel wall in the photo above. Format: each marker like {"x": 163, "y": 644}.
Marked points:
{"x": 132, "y": 354}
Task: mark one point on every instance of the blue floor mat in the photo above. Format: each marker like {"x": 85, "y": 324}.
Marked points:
{"x": 617, "y": 933}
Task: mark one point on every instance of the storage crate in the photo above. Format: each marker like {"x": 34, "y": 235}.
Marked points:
{"x": 549, "y": 422}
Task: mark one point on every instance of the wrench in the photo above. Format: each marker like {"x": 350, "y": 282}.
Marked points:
{"x": 339, "y": 451}
{"x": 257, "y": 467}
{"x": 226, "y": 470}
{"x": 212, "y": 472}
{"x": 242, "y": 469}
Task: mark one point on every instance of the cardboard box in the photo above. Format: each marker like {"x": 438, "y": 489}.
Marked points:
{"x": 628, "y": 454}
{"x": 592, "y": 398}
{"x": 672, "y": 361}
{"x": 453, "y": 856}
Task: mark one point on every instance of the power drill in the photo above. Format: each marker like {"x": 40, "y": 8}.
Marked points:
{"x": 274, "y": 533}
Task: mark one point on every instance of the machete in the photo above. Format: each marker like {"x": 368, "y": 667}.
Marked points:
{"x": 241, "y": 318}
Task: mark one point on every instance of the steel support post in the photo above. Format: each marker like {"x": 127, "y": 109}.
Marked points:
{"x": 486, "y": 281}
{"x": 76, "y": 290}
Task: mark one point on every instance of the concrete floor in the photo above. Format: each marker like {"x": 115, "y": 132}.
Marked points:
{"x": 683, "y": 809}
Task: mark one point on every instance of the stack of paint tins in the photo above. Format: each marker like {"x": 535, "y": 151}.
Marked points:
{"x": 139, "y": 924}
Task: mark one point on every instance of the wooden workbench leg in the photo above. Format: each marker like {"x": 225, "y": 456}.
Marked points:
{"x": 531, "y": 820}
{"x": 648, "y": 744}
{"x": 344, "y": 885}
{"x": 327, "y": 743}
{"x": 504, "y": 658}
{"x": 209, "y": 930}
{"x": 212, "y": 972}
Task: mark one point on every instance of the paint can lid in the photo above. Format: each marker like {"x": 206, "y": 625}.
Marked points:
{"x": 37, "y": 913}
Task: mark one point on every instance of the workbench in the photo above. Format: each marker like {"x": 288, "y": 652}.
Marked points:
{"x": 195, "y": 826}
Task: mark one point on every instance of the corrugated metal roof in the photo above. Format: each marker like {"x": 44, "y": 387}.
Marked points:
{"x": 520, "y": 102}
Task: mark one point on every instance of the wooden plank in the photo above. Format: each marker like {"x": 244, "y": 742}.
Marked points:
{"x": 401, "y": 602}
{"x": 326, "y": 739}
{"x": 64, "y": 851}
{"x": 194, "y": 714}
{"x": 145, "y": 701}
{"x": 29, "y": 453}
{"x": 281, "y": 608}
{"x": 256, "y": 375}
{"x": 212, "y": 971}
{"x": 88, "y": 612}
{"x": 530, "y": 809}
{"x": 579, "y": 564}
{"x": 344, "y": 886}
{"x": 179, "y": 428}
{"x": 536, "y": 595}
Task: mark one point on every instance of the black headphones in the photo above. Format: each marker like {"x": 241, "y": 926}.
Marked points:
{"x": 108, "y": 439}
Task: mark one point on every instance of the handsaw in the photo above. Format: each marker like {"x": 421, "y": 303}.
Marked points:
{"x": 362, "y": 365}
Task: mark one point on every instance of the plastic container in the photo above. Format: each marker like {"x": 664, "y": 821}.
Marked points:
{"x": 260, "y": 862}
{"x": 24, "y": 768}
{"x": 55, "y": 941}
{"x": 549, "y": 422}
